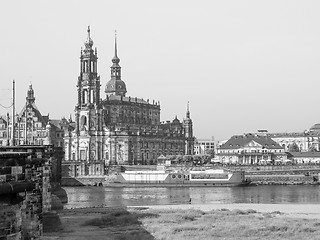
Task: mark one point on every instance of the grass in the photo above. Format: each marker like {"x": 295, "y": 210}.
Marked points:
{"x": 225, "y": 224}
{"x": 120, "y": 217}
{"x": 144, "y": 223}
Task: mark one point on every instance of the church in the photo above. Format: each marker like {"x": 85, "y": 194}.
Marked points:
{"x": 115, "y": 128}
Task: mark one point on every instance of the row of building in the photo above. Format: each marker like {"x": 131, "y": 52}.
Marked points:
{"x": 265, "y": 148}
{"x": 110, "y": 130}
{"x": 119, "y": 129}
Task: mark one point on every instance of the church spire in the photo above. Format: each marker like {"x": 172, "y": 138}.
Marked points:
{"x": 115, "y": 59}
{"x": 115, "y": 86}
{"x": 188, "y": 111}
{"x": 115, "y": 69}
{"x": 115, "y": 44}
{"x": 88, "y": 43}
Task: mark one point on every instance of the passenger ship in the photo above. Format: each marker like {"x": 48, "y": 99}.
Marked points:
{"x": 190, "y": 178}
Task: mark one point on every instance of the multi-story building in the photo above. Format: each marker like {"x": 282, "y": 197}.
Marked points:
{"x": 250, "y": 149}
{"x": 118, "y": 129}
{"x": 31, "y": 127}
{"x": 304, "y": 141}
{"x": 204, "y": 146}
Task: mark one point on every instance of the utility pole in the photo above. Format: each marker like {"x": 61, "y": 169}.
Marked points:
{"x": 12, "y": 142}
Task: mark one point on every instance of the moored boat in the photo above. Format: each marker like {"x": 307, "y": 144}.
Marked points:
{"x": 182, "y": 178}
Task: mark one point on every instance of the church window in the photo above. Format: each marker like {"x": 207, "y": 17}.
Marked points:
{"x": 91, "y": 96}
{"x": 83, "y": 155}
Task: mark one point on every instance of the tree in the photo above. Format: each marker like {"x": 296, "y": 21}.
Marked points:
{"x": 179, "y": 159}
{"x": 210, "y": 152}
{"x": 187, "y": 158}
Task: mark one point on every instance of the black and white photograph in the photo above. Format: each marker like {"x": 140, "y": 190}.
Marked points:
{"x": 160, "y": 120}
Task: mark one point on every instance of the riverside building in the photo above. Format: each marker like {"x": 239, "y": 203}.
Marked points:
{"x": 118, "y": 129}
{"x": 250, "y": 149}
{"x": 31, "y": 127}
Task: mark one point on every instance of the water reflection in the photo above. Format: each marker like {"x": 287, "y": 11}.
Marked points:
{"x": 103, "y": 196}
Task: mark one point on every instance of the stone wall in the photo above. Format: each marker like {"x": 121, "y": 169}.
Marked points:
{"x": 25, "y": 190}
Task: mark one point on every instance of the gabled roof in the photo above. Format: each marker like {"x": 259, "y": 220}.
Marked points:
{"x": 43, "y": 119}
{"x": 3, "y": 119}
{"x": 240, "y": 141}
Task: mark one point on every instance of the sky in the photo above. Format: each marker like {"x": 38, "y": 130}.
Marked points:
{"x": 242, "y": 65}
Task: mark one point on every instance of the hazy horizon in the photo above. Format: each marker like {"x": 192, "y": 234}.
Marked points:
{"x": 242, "y": 65}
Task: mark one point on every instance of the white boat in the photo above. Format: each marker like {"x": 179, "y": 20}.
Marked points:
{"x": 189, "y": 178}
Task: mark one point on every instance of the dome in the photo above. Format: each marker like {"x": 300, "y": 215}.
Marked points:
{"x": 116, "y": 87}
{"x": 315, "y": 127}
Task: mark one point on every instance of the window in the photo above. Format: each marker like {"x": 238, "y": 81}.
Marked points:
{"x": 83, "y": 155}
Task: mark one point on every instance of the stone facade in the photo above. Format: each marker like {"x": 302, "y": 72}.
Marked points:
{"x": 305, "y": 141}
{"x": 118, "y": 129}
{"x": 31, "y": 127}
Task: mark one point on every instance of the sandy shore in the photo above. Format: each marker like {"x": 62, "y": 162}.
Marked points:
{"x": 289, "y": 210}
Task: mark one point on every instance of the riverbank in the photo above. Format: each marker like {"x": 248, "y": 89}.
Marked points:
{"x": 257, "y": 174}
{"x": 188, "y": 221}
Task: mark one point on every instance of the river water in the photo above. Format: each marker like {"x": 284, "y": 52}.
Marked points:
{"x": 90, "y": 196}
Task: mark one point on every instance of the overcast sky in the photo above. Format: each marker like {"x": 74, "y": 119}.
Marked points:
{"x": 242, "y": 65}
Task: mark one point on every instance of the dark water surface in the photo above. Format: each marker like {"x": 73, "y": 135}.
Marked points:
{"x": 103, "y": 196}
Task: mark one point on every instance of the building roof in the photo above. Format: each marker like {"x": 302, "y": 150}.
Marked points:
{"x": 315, "y": 128}
{"x": 240, "y": 141}
{"x": 116, "y": 86}
{"x": 129, "y": 100}
{"x": 304, "y": 154}
{"x": 42, "y": 119}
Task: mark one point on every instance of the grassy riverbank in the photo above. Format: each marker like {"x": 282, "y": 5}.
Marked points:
{"x": 187, "y": 222}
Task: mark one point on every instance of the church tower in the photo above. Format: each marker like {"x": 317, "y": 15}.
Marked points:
{"x": 188, "y": 131}
{"x": 116, "y": 86}
{"x": 88, "y": 90}
{"x": 30, "y": 95}
{"x": 88, "y": 112}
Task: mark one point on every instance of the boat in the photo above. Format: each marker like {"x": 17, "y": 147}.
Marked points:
{"x": 161, "y": 177}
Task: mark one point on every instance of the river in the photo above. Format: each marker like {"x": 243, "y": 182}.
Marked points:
{"x": 90, "y": 196}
